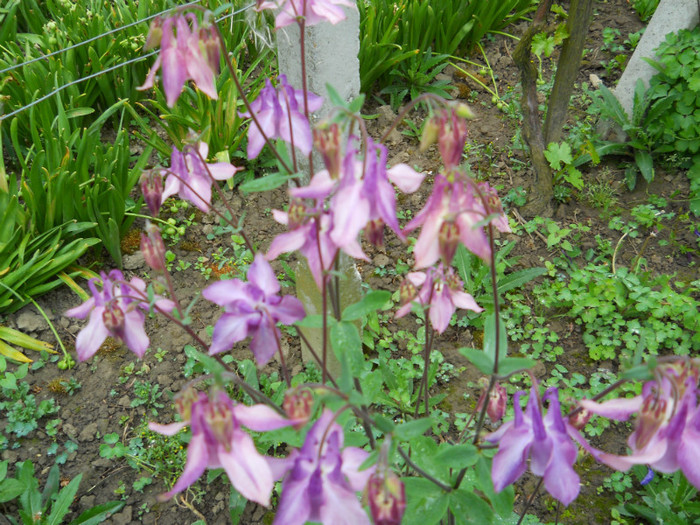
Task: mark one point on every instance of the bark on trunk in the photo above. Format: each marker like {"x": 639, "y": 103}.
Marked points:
{"x": 567, "y": 68}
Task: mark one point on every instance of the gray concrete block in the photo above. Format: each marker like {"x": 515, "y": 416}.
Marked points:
{"x": 670, "y": 16}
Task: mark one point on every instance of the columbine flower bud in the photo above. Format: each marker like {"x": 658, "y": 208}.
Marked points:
{"x": 155, "y": 34}
{"x": 407, "y": 291}
{"x": 327, "y": 141}
{"x": 152, "y": 189}
{"x": 374, "y": 232}
{"x": 464, "y": 111}
{"x": 430, "y": 134}
{"x": 153, "y": 248}
{"x": 297, "y": 405}
{"x": 580, "y": 419}
{"x": 387, "y": 497}
{"x": 451, "y": 138}
{"x": 496, "y": 407}
{"x": 448, "y": 239}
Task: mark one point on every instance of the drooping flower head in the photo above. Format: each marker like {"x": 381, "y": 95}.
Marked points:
{"x": 546, "y": 441}
{"x": 218, "y": 441}
{"x": 311, "y": 12}
{"x": 365, "y": 195}
{"x": 667, "y": 434}
{"x": 184, "y": 55}
{"x": 116, "y": 310}
{"x": 279, "y": 112}
{"x": 321, "y": 480}
{"x": 252, "y": 308}
{"x": 191, "y": 177}
{"x": 440, "y": 290}
{"x": 453, "y": 213}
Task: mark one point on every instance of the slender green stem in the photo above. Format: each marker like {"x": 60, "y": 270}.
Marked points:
{"x": 422, "y": 472}
{"x": 530, "y": 500}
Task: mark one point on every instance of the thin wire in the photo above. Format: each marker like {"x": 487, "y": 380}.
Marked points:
{"x": 103, "y": 71}
{"x": 74, "y": 46}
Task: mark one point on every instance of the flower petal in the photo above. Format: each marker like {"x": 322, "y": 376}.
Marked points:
{"x": 247, "y": 469}
{"x": 196, "y": 464}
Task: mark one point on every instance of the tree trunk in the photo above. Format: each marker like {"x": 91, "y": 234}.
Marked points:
{"x": 541, "y": 191}
{"x": 567, "y": 68}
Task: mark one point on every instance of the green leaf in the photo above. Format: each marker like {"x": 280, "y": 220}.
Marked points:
{"x": 426, "y": 503}
{"x": 519, "y": 278}
{"x": 490, "y": 337}
{"x": 99, "y": 513}
{"x": 645, "y": 164}
{"x": 62, "y": 504}
{"x": 479, "y": 359}
{"x": 510, "y": 365}
{"x": 346, "y": 341}
{"x": 371, "y": 302}
{"x": 267, "y": 183}
{"x": 411, "y": 429}
{"x": 470, "y": 509}
{"x": 558, "y": 155}
{"x": 457, "y": 456}
{"x": 10, "y": 489}
{"x": 236, "y": 505}
{"x": 79, "y": 112}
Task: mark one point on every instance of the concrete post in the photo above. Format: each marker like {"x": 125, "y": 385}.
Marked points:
{"x": 331, "y": 58}
{"x": 670, "y": 16}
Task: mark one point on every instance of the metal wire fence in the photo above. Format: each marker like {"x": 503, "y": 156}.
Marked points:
{"x": 103, "y": 71}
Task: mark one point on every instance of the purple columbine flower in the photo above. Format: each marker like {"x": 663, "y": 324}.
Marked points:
{"x": 181, "y": 57}
{"x": 441, "y": 290}
{"x": 191, "y": 177}
{"x": 279, "y": 112}
{"x": 667, "y": 435}
{"x": 309, "y": 232}
{"x": 546, "y": 441}
{"x": 312, "y": 11}
{"x": 321, "y": 482}
{"x": 218, "y": 441}
{"x": 252, "y": 308}
{"x": 115, "y": 311}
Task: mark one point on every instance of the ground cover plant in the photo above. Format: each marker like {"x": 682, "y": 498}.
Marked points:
{"x": 401, "y": 416}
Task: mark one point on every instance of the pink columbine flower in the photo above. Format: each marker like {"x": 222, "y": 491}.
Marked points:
{"x": 311, "y": 11}
{"x": 547, "y": 441}
{"x": 321, "y": 480}
{"x": 667, "y": 436}
{"x": 441, "y": 290}
{"x": 279, "y": 114}
{"x": 451, "y": 215}
{"x": 253, "y": 309}
{"x": 183, "y": 56}
{"x": 365, "y": 195}
{"x": 118, "y": 311}
{"x": 218, "y": 441}
{"x": 191, "y": 177}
